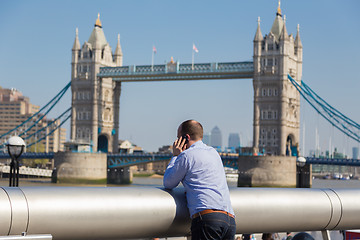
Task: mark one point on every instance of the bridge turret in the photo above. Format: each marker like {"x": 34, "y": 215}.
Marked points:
{"x": 276, "y": 102}
{"x": 75, "y": 53}
{"x": 258, "y": 39}
{"x": 118, "y": 55}
{"x": 258, "y": 48}
{"x": 95, "y": 103}
{"x": 299, "y": 53}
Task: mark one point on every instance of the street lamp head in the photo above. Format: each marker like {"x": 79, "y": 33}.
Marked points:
{"x": 300, "y": 161}
{"x": 16, "y": 146}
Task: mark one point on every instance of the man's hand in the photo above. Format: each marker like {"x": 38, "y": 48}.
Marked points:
{"x": 179, "y": 146}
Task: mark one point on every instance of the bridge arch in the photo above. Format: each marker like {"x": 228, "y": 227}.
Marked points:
{"x": 291, "y": 146}
{"x": 103, "y": 143}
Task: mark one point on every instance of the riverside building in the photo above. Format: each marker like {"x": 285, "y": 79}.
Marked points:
{"x": 15, "y": 109}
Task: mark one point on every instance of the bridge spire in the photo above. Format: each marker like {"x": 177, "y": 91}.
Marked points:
{"x": 76, "y": 45}
{"x": 97, "y": 38}
{"x": 298, "y": 43}
{"x": 98, "y": 22}
{"x": 258, "y": 35}
{"x": 277, "y": 26}
{"x": 118, "y": 53}
{"x": 278, "y": 13}
{"x": 284, "y": 34}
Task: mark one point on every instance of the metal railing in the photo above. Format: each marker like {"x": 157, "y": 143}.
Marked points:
{"x": 179, "y": 71}
{"x": 139, "y": 212}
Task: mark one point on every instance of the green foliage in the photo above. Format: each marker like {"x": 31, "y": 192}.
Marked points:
{"x": 39, "y": 147}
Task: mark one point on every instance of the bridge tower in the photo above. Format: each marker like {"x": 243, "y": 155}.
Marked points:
{"x": 276, "y": 101}
{"x": 95, "y": 101}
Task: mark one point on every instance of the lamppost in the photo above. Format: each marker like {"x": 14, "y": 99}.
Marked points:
{"x": 302, "y": 173}
{"x": 16, "y": 147}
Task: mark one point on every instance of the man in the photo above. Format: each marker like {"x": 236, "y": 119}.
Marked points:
{"x": 200, "y": 169}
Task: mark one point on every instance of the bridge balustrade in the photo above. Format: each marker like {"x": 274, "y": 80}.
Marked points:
{"x": 124, "y": 73}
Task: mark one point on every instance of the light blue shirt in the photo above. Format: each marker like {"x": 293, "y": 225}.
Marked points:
{"x": 201, "y": 171}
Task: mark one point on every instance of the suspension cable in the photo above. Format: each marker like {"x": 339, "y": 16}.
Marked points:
{"x": 56, "y": 99}
{"x": 51, "y": 132}
{"x": 333, "y": 116}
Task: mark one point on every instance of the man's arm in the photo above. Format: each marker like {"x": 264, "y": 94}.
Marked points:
{"x": 175, "y": 172}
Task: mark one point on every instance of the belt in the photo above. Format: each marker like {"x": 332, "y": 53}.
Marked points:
{"x": 206, "y": 211}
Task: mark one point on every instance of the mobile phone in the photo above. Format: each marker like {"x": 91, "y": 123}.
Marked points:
{"x": 186, "y": 138}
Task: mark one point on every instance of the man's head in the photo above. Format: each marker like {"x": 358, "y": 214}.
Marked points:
{"x": 192, "y": 129}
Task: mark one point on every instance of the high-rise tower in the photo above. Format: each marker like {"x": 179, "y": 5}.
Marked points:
{"x": 95, "y": 102}
{"x": 216, "y": 138}
{"x": 276, "y": 101}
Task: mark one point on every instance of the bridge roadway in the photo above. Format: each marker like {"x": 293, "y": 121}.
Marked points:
{"x": 176, "y": 72}
{"x": 118, "y": 160}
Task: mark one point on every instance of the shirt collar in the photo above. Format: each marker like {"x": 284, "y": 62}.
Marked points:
{"x": 198, "y": 143}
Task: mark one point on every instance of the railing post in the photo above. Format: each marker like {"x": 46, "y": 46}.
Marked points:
{"x": 325, "y": 235}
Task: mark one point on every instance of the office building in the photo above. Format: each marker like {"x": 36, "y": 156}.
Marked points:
{"x": 216, "y": 138}
{"x": 206, "y": 138}
{"x": 15, "y": 109}
{"x": 234, "y": 141}
{"x": 355, "y": 153}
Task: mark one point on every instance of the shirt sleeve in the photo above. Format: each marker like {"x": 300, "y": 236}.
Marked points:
{"x": 175, "y": 171}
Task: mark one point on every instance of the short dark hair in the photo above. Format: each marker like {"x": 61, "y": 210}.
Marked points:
{"x": 193, "y": 128}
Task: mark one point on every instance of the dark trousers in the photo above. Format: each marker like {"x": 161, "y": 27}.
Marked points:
{"x": 213, "y": 226}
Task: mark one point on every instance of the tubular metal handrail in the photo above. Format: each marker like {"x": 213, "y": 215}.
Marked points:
{"x": 147, "y": 212}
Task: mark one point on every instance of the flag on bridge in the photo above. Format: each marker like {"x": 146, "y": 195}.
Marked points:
{"x": 154, "y": 49}
{"x": 194, "y": 48}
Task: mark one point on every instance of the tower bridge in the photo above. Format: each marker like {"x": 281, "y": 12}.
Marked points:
{"x": 97, "y": 74}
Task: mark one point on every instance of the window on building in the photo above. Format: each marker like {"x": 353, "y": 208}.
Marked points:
{"x": 264, "y": 92}
{"x": 270, "y": 62}
{"x": 269, "y": 92}
{"x": 269, "y": 115}
{"x": 263, "y": 115}
{"x": 275, "y": 115}
{"x": 270, "y": 46}
{"x": 275, "y": 92}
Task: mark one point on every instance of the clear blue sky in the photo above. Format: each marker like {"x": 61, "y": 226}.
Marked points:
{"x": 37, "y": 37}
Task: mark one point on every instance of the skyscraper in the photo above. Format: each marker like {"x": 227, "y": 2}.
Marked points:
{"x": 216, "y": 138}
{"x": 206, "y": 139}
{"x": 355, "y": 153}
{"x": 234, "y": 141}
